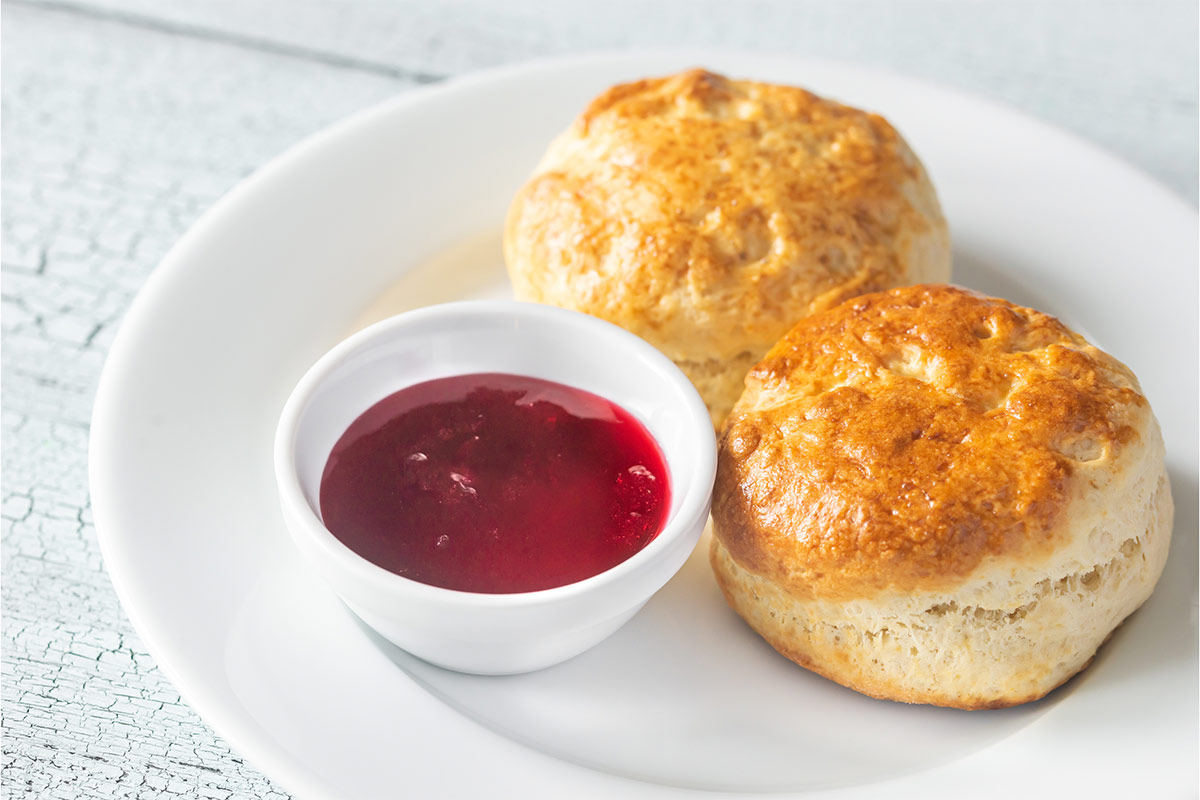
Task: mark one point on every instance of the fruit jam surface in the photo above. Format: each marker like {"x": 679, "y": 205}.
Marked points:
{"x": 495, "y": 483}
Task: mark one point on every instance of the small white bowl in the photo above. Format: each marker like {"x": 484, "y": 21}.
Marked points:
{"x": 495, "y": 633}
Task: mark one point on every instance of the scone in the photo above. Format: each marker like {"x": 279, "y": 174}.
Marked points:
{"x": 708, "y": 215}
{"x": 933, "y": 496}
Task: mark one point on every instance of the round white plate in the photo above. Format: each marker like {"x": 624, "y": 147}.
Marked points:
{"x": 401, "y": 206}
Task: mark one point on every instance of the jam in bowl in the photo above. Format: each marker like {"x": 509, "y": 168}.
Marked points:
{"x": 495, "y": 483}
{"x": 494, "y": 486}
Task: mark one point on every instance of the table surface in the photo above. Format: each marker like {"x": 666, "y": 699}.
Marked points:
{"x": 123, "y": 120}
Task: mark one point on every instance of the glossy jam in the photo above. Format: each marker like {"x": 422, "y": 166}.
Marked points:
{"x": 495, "y": 483}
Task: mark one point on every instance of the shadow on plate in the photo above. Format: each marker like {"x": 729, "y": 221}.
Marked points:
{"x": 687, "y": 695}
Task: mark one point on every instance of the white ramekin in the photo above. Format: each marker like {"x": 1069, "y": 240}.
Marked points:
{"x": 495, "y": 633}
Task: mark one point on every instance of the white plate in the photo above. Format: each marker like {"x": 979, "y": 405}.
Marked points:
{"x": 410, "y": 195}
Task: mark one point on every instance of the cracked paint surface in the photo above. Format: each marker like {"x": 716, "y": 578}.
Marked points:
{"x": 105, "y": 165}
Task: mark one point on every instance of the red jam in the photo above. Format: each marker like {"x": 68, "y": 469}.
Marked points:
{"x": 495, "y": 483}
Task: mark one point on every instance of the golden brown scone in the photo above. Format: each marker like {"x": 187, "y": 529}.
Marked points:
{"x": 932, "y": 496}
{"x": 708, "y": 215}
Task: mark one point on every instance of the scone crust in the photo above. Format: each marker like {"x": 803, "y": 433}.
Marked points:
{"x": 707, "y": 215}
{"x": 942, "y": 649}
{"x": 906, "y": 439}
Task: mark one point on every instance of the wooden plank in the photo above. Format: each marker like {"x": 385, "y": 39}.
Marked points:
{"x": 1122, "y": 74}
{"x": 115, "y": 140}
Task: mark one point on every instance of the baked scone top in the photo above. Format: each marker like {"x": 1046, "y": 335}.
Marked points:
{"x": 902, "y": 438}
{"x": 707, "y": 215}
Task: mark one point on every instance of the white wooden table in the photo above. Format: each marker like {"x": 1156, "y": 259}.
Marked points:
{"x": 123, "y": 120}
